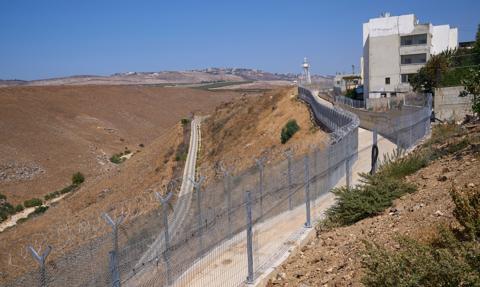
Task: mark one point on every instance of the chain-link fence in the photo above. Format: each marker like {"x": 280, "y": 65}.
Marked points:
{"x": 231, "y": 231}
{"x": 358, "y": 104}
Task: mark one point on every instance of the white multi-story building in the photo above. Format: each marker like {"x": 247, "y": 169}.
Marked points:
{"x": 395, "y": 48}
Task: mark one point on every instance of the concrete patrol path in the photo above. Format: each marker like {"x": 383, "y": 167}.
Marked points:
{"x": 275, "y": 238}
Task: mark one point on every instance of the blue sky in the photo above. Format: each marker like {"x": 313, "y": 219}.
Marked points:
{"x": 47, "y": 38}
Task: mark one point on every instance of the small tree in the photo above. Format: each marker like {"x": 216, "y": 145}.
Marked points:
{"x": 472, "y": 87}
{"x": 32, "y": 202}
{"x": 429, "y": 77}
{"x": 77, "y": 178}
{"x": 289, "y": 130}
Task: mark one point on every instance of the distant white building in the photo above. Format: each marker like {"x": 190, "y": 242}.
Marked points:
{"x": 395, "y": 48}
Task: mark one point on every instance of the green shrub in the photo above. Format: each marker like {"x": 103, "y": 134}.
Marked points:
{"x": 397, "y": 167}
{"x": 41, "y": 209}
{"x": 117, "y": 159}
{"x": 181, "y": 156}
{"x": 376, "y": 192}
{"x": 52, "y": 195}
{"x": 467, "y": 211}
{"x": 369, "y": 199}
{"x": 67, "y": 189}
{"x": 451, "y": 264}
{"x": 6, "y": 209}
{"x": 185, "y": 121}
{"x": 452, "y": 259}
{"x": 77, "y": 178}
{"x": 64, "y": 190}
{"x": 19, "y": 208}
{"x": 289, "y": 130}
{"x": 3, "y": 216}
{"x": 351, "y": 93}
{"x": 32, "y": 202}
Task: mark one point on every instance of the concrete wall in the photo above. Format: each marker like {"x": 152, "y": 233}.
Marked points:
{"x": 383, "y": 62}
{"x": 449, "y": 106}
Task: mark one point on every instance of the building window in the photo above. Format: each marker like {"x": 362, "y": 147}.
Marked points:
{"x": 420, "y": 39}
{"x": 387, "y": 81}
{"x": 413, "y": 59}
{"x": 406, "y": 78}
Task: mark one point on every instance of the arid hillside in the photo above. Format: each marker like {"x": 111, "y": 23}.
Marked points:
{"x": 423, "y": 239}
{"x": 249, "y": 127}
{"x": 48, "y": 133}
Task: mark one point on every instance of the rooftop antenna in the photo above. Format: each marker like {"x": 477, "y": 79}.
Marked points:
{"x": 306, "y": 72}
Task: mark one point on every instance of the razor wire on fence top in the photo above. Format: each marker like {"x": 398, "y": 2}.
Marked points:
{"x": 222, "y": 236}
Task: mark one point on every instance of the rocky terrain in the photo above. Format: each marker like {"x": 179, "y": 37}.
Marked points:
{"x": 335, "y": 257}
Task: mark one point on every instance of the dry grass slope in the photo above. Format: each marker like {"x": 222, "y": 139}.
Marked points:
{"x": 250, "y": 127}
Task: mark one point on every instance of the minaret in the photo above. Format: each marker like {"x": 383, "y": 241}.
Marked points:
{"x": 306, "y": 72}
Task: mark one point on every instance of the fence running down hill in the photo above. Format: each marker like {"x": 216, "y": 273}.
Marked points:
{"x": 223, "y": 238}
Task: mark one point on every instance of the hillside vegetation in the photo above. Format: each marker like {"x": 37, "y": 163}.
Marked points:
{"x": 415, "y": 223}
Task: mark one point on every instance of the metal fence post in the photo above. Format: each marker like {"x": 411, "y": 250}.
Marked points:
{"x": 228, "y": 197}
{"x": 248, "y": 201}
{"x": 41, "y": 261}
{"x": 164, "y": 202}
{"x": 374, "y": 151}
{"x": 348, "y": 172}
{"x": 399, "y": 148}
{"x": 197, "y": 185}
{"x": 114, "y": 260}
{"x": 260, "y": 165}
{"x": 316, "y": 173}
{"x": 328, "y": 171}
{"x": 288, "y": 155}
{"x": 307, "y": 192}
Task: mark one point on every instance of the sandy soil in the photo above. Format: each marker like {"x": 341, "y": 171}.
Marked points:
{"x": 334, "y": 258}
